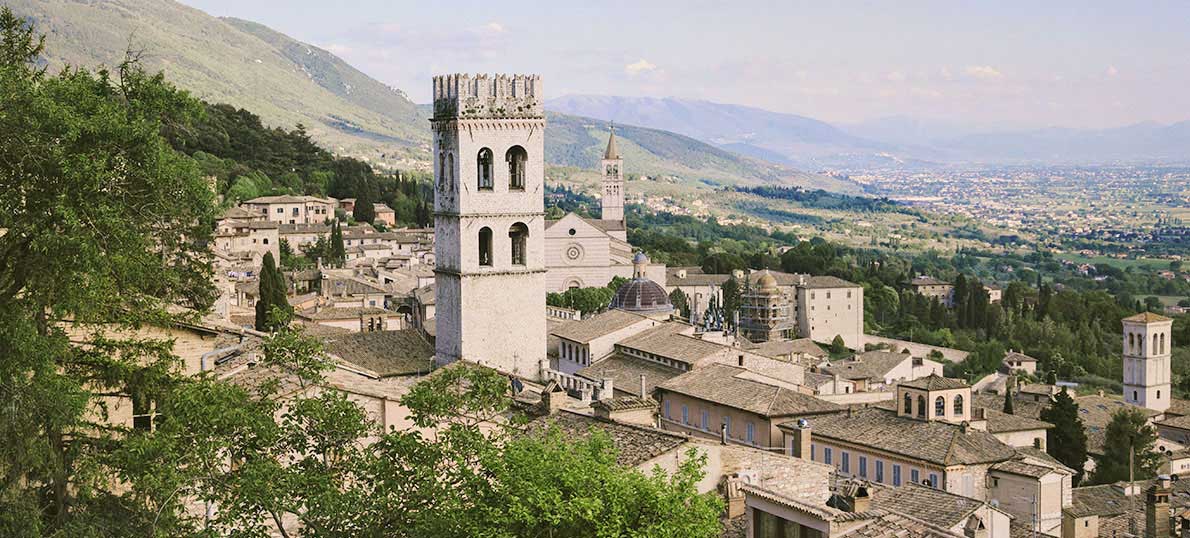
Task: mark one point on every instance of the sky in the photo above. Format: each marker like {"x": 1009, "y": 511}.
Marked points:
{"x": 1085, "y": 64}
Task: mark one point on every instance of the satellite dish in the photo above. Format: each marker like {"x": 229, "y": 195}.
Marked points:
{"x": 926, "y": 482}
{"x": 1173, "y": 478}
{"x": 803, "y": 423}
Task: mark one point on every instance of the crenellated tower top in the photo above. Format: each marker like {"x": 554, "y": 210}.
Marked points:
{"x": 484, "y": 96}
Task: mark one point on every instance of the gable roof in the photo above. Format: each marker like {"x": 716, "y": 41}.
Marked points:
{"x": 625, "y": 373}
{"x": 867, "y": 365}
{"x": 666, "y": 340}
{"x": 388, "y": 353}
{"x": 932, "y": 441}
{"x": 597, "y": 326}
{"x": 926, "y": 503}
{"x": 634, "y": 444}
{"x": 780, "y": 348}
{"x": 723, "y": 385}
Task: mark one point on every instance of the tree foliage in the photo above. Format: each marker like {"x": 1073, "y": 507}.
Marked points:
{"x": 1128, "y": 431}
{"x": 272, "y": 303}
{"x": 1067, "y": 440}
{"x": 105, "y": 226}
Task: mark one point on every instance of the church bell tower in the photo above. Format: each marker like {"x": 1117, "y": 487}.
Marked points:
{"x": 489, "y": 221}
{"x": 1147, "y": 350}
{"x": 612, "y": 203}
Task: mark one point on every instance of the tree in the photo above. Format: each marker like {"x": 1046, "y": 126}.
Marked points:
{"x": 472, "y": 465}
{"x": 1008, "y": 407}
{"x": 677, "y": 298}
{"x": 838, "y": 347}
{"x": 731, "y": 300}
{"x": 104, "y": 225}
{"x": 272, "y": 304}
{"x": 338, "y": 254}
{"x": 1067, "y": 440}
{"x": 1051, "y": 378}
{"x": 364, "y": 210}
{"x": 1128, "y": 432}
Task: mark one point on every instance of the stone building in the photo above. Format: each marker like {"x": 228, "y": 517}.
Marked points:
{"x": 933, "y": 288}
{"x": 1147, "y": 345}
{"x": 489, "y": 221}
{"x": 829, "y": 306}
{"x": 287, "y": 209}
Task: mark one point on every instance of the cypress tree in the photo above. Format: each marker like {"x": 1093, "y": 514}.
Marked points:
{"x": 338, "y": 254}
{"x": 364, "y": 210}
{"x": 1008, "y": 396}
{"x": 1067, "y": 440}
{"x": 272, "y": 295}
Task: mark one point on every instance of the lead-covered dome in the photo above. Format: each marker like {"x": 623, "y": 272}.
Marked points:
{"x": 640, "y": 294}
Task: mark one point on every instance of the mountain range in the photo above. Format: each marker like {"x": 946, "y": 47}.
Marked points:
{"x": 892, "y": 141}
{"x": 287, "y": 82}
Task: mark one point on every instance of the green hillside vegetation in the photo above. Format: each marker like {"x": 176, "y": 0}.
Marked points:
{"x": 249, "y": 160}
{"x": 578, "y": 142}
{"x": 235, "y": 62}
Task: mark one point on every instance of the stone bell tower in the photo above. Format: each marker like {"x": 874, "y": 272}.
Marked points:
{"x": 612, "y": 203}
{"x": 489, "y": 221}
{"x": 1147, "y": 350}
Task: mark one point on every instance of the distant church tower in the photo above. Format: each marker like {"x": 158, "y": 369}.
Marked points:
{"x": 612, "y": 203}
{"x": 1147, "y": 343}
{"x": 489, "y": 221}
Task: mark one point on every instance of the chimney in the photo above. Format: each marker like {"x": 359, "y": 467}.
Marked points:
{"x": 857, "y": 501}
{"x": 1157, "y": 508}
{"x": 643, "y": 393}
{"x": 723, "y": 433}
{"x": 733, "y": 494}
{"x": 802, "y": 439}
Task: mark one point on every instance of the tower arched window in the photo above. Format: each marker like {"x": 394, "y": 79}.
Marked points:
{"x": 921, "y": 406}
{"x": 485, "y": 246}
{"x": 484, "y": 169}
{"x": 516, "y": 158}
{"x": 1162, "y": 349}
{"x": 450, "y": 171}
{"x": 1131, "y": 343}
{"x": 517, "y": 235}
{"x": 908, "y": 404}
{"x": 939, "y": 406}
{"x": 1155, "y": 348}
{"x": 958, "y": 405}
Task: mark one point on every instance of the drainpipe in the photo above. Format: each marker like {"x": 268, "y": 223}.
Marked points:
{"x": 202, "y": 360}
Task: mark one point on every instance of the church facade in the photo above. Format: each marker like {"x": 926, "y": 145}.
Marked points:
{"x": 583, "y": 252}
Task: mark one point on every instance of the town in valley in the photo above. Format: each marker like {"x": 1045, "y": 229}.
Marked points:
{"x": 249, "y": 290}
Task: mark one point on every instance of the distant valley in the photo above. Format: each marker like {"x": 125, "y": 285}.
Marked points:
{"x": 898, "y": 142}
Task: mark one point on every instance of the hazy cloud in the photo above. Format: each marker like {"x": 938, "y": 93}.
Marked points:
{"x": 1112, "y": 71}
{"x": 895, "y": 76}
{"x": 494, "y": 27}
{"x": 983, "y": 72}
{"x": 640, "y": 66}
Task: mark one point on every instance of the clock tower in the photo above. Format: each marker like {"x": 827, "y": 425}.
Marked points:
{"x": 612, "y": 203}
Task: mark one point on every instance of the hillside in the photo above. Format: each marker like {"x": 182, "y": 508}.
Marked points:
{"x": 575, "y": 141}
{"x": 287, "y": 82}
{"x": 796, "y": 140}
{"x": 236, "y": 62}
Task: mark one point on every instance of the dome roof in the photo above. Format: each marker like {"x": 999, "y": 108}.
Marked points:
{"x": 640, "y": 258}
{"x": 767, "y": 281}
{"x": 641, "y": 295}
